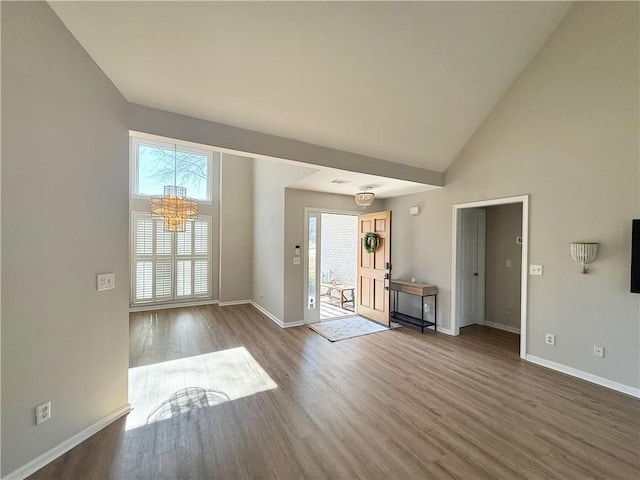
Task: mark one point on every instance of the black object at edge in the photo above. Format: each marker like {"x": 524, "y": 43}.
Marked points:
{"x": 635, "y": 257}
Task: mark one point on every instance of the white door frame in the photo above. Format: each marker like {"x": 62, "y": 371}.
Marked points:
{"x": 320, "y": 211}
{"x": 524, "y": 200}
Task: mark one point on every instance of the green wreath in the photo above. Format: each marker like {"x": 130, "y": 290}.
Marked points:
{"x": 371, "y": 242}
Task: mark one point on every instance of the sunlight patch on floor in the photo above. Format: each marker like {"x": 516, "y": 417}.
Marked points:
{"x": 161, "y": 390}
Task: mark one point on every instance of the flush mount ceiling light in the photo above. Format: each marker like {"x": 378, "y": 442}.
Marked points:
{"x": 174, "y": 207}
{"x": 365, "y": 198}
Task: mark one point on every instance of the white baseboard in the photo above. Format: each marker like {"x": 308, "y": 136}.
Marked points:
{"x": 589, "y": 377}
{"x": 299, "y": 323}
{"x": 500, "y": 326}
{"x": 446, "y": 331}
{"x": 159, "y": 306}
{"x": 268, "y": 314}
{"x": 275, "y": 319}
{"x": 234, "y": 302}
{"x": 49, "y": 456}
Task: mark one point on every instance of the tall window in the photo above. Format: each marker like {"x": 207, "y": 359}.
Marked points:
{"x": 156, "y": 164}
{"x": 170, "y": 265}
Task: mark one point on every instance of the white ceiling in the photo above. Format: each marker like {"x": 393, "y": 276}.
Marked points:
{"x": 382, "y": 187}
{"x": 407, "y": 82}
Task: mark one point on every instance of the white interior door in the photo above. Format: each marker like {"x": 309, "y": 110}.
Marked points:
{"x": 471, "y": 265}
{"x": 312, "y": 266}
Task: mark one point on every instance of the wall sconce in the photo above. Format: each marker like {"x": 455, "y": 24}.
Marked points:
{"x": 584, "y": 252}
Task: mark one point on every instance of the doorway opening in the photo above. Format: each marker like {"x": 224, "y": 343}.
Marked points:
{"x": 489, "y": 271}
{"x": 331, "y": 247}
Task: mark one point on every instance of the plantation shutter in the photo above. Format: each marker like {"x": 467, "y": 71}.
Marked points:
{"x": 143, "y": 263}
{"x": 164, "y": 272}
{"x": 170, "y": 266}
{"x": 201, "y": 262}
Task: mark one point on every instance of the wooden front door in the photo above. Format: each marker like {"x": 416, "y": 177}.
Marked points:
{"x": 374, "y": 269}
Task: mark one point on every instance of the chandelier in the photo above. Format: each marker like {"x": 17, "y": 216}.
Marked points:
{"x": 174, "y": 207}
{"x": 365, "y": 198}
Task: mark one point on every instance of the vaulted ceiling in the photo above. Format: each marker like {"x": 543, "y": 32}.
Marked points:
{"x": 407, "y": 82}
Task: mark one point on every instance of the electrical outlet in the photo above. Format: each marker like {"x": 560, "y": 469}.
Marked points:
{"x": 535, "y": 270}
{"x": 106, "y": 281}
{"x": 508, "y": 311}
{"x": 598, "y": 351}
{"x": 550, "y": 339}
{"x": 43, "y": 412}
{"x": 426, "y": 308}
{"x": 508, "y": 263}
{"x": 296, "y": 260}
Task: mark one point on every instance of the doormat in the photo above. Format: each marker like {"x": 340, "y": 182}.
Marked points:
{"x": 336, "y": 330}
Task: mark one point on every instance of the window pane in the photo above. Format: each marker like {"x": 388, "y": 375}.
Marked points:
{"x": 163, "y": 239}
{"x": 144, "y": 280}
{"x": 184, "y": 239}
{"x": 183, "y": 278}
{"x": 160, "y": 166}
{"x": 312, "y": 264}
{"x": 201, "y": 237}
{"x": 200, "y": 277}
{"x": 163, "y": 278}
{"x": 144, "y": 236}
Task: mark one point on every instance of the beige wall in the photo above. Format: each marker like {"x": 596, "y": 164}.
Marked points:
{"x": 236, "y": 228}
{"x": 64, "y": 220}
{"x": 269, "y": 281}
{"x": 502, "y": 283}
{"x": 295, "y": 203}
{"x": 259, "y": 145}
{"x": 566, "y": 133}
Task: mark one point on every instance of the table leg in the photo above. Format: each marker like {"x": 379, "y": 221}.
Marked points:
{"x": 435, "y": 313}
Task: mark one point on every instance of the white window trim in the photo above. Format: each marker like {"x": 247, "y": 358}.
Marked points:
{"x": 174, "y": 257}
{"x": 166, "y": 143}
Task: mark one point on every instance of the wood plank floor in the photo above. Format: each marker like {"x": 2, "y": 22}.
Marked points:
{"x": 394, "y": 404}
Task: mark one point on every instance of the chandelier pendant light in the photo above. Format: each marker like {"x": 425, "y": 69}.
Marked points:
{"x": 174, "y": 207}
{"x": 365, "y": 198}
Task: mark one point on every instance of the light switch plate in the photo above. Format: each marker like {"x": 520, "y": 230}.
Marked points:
{"x": 106, "y": 281}
{"x": 296, "y": 260}
{"x": 535, "y": 270}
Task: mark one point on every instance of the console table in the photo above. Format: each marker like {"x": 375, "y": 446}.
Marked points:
{"x": 418, "y": 289}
